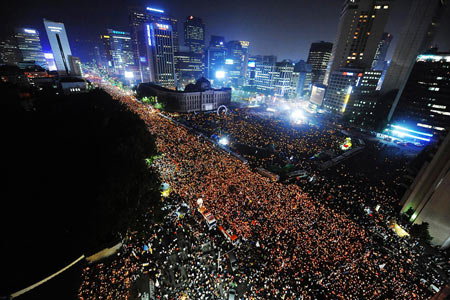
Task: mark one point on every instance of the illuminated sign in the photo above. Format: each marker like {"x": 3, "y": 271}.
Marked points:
{"x": 32, "y": 31}
{"x": 118, "y": 32}
{"x": 347, "y": 74}
{"x": 48, "y": 55}
{"x": 229, "y": 61}
{"x": 155, "y": 9}
{"x": 347, "y": 97}
{"x": 162, "y": 26}
{"x": 143, "y": 59}
{"x": 252, "y": 64}
{"x": 148, "y": 35}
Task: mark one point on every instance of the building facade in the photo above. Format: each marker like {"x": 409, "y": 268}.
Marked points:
{"x": 425, "y": 102}
{"x": 416, "y": 36}
{"x": 305, "y": 78}
{"x": 9, "y": 52}
{"x": 361, "y": 108}
{"x": 429, "y": 196}
{"x": 119, "y": 51}
{"x": 265, "y": 74}
{"x": 379, "y": 61}
{"x": 360, "y": 30}
{"x": 194, "y": 34}
{"x": 29, "y": 44}
{"x": 198, "y": 97}
{"x": 340, "y": 88}
{"x": 215, "y": 58}
{"x": 138, "y": 18}
{"x": 57, "y": 36}
{"x": 319, "y": 58}
{"x": 189, "y": 67}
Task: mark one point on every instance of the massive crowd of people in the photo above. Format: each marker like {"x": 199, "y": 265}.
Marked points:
{"x": 311, "y": 241}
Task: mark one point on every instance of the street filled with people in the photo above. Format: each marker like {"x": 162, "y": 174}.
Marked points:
{"x": 315, "y": 239}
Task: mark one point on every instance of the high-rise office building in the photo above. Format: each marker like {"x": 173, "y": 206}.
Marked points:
{"x": 319, "y": 58}
{"x": 138, "y": 18}
{"x": 416, "y": 36}
{"x": 425, "y": 102}
{"x": 283, "y": 79}
{"x": 428, "y": 196}
{"x": 215, "y": 58}
{"x": 56, "y": 33}
{"x": 362, "y": 105}
{"x": 360, "y": 30}
{"x": 29, "y": 44}
{"x": 251, "y": 66}
{"x": 119, "y": 51}
{"x": 235, "y": 61}
{"x": 158, "y": 65}
{"x": 305, "y": 72}
{"x": 350, "y": 83}
{"x": 265, "y": 74}
{"x": 189, "y": 67}
{"x": 379, "y": 61}
{"x": 9, "y": 52}
{"x": 194, "y": 34}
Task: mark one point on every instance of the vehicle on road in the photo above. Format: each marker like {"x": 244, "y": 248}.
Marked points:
{"x": 231, "y": 294}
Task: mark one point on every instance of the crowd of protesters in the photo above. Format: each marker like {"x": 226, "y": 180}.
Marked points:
{"x": 297, "y": 242}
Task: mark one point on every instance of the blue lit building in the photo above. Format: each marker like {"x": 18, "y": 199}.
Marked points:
{"x": 305, "y": 78}
{"x": 29, "y": 44}
{"x": 194, "y": 34}
{"x": 156, "y": 43}
{"x": 138, "y": 18}
{"x": 59, "y": 43}
{"x": 119, "y": 51}
{"x": 215, "y": 58}
{"x": 424, "y": 105}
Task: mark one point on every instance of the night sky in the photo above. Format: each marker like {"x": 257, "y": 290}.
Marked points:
{"x": 283, "y": 28}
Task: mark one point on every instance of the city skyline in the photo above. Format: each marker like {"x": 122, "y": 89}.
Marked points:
{"x": 302, "y": 24}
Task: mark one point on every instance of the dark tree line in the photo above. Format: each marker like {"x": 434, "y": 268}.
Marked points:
{"x": 75, "y": 175}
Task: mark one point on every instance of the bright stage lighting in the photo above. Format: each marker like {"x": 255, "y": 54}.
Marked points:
{"x": 297, "y": 115}
{"x": 220, "y": 74}
{"x": 224, "y": 141}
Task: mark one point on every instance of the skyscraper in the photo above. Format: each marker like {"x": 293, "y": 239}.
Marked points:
{"x": 188, "y": 67}
{"x": 30, "y": 47}
{"x": 283, "y": 77}
{"x": 360, "y": 30}
{"x": 215, "y": 58}
{"x": 305, "y": 78}
{"x": 265, "y": 74}
{"x": 425, "y": 102}
{"x": 428, "y": 196}
{"x": 416, "y": 36}
{"x": 362, "y": 104}
{"x": 234, "y": 62}
{"x": 340, "y": 87}
{"x": 138, "y": 18}
{"x": 119, "y": 50}
{"x": 59, "y": 43}
{"x": 319, "y": 58}
{"x": 379, "y": 61}
{"x": 159, "y": 64}
{"x": 194, "y": 34}
{"x": 9, "y": 52}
